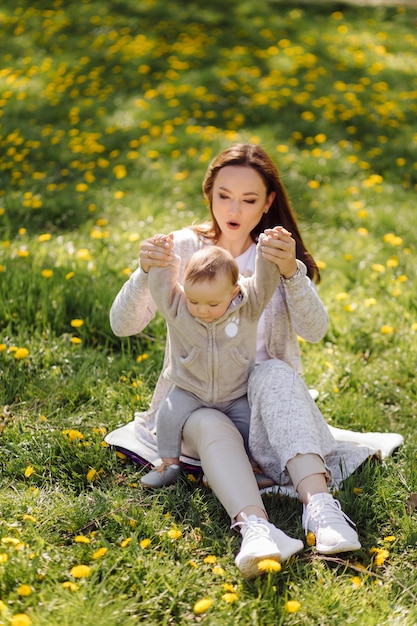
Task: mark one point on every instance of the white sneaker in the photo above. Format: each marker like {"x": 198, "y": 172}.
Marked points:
{"x": 332, "y": 528}
{"x": 262, "y": 540}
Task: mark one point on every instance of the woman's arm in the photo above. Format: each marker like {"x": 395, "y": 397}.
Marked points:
{"x": 309, "y": 317}
{"x": 133, "y": 308}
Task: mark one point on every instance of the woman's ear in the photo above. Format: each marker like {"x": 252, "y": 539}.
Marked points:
{"x": 269, "y": 201}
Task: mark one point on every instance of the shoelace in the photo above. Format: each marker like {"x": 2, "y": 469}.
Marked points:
{"x": 252, "y": 529}
{"x": 332, "y": 509}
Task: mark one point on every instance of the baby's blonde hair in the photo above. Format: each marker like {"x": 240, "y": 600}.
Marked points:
{"x": 208, "y": 263}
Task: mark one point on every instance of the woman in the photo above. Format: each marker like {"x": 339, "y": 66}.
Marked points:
{"x": 289, "y": 438}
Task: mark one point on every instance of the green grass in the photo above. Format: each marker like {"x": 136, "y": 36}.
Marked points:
{"x": 109, "y": 113}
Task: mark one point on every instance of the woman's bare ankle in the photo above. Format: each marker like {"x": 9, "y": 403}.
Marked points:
{"x": 251, "y": 510}
{"x": 170, "y": 460}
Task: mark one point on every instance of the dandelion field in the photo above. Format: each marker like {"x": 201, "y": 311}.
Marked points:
{"x": 109, "y": 115}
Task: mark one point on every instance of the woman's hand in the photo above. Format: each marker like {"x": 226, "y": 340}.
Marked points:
{"x": 280, "y": 248}
{"x": 156, "y": 252}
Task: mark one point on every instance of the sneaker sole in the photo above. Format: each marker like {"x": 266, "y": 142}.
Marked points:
{"x": 340, "y": 547}
{"x": 249, "y": 566}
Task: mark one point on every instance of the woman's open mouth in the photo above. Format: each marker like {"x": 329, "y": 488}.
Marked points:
{"x": 233, "y": 225}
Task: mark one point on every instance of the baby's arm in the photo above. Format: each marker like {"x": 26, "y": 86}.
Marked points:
{"x": 163, "y": 280}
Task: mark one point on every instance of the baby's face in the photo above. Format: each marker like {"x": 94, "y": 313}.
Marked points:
{"x": 209, "y": 299}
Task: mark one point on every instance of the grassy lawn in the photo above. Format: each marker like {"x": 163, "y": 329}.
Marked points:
{"x": 110, "y": 112}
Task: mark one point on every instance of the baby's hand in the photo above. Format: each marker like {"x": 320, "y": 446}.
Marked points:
{"x": 275, "y": 232}
{"x": 166, "y": 241}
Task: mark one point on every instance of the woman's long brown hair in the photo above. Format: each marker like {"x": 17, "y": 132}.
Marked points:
{"x": 280, "y": 212}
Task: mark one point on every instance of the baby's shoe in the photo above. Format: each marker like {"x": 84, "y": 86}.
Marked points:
{"x": 162, "y": 476}
{"x": 332, "y": 528}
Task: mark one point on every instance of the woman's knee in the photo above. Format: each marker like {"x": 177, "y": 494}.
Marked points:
{"x": 206, "y": 426}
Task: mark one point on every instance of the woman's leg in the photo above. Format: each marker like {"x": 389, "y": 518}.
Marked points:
{"x": 288, "y": 435}
{"x": 322, "y": 514}
{"x": 210, "y": 436}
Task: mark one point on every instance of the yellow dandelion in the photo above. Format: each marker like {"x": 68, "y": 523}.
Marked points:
{"x": 141, "y": 357}
{"x": 92, "y": 475}
{"x": 392, "y": 239}
{"x": 29, "y": 518}
{"x": 69, "y": 275}
{"x": 210, "y": 559}
{"x": 72, "y": 434}
{"x": 393, "y": 262}
{"x": 174, "y": 533}
{"x": 292, "y": 606}
{"x": 21, "y": 353}
{"x": 47, "y": 273}
{"x": 357, "y": 491}
{"x": 68, "y": 584}
{"x": 125, "y": 542}
{"x": 390, "y": 538}
{"x": 363, "y": 232}
{"x": 3, "y": 347}
{"x": 386, "y": 329}
{"x": 269, "y": 565}
{"x": 80, "y": 571}
{"x": 119, "y": 171}
{"x": 29, "y": 471}
{"x": 99, "y": 553}
{"x": 23, "y": 254}
{"x": 342, "y": 295}
{"x": 76, "y": 341}
{"x": 3, "y": 558}
{"x": 311, "y": 539}
{"x": 82, "y": 539}
{"x": 44, "y": 237}
{"x": 356, "y": 582}
{"x": 378, "y": 267}
{"x": 10, "y": 541}
{"x": 193, "y": 564}
{"x": 230, "y": 597}
{"x": 202, "y": 605}
{"x": 380, "y": 555}
{"x": 218, "y": 570}
{"x": 145, "y": 543}
{"x": 84, "y": 254}
{"x": 76, "y": 323}
{"x": 20, "y": 619}
{"x": 24, "y": 590}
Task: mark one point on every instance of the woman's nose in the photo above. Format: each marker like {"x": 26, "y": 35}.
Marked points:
{"x": 234, "y": 207}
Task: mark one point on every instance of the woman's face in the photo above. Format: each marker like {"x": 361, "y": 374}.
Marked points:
{"x": 239, "y": 201}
